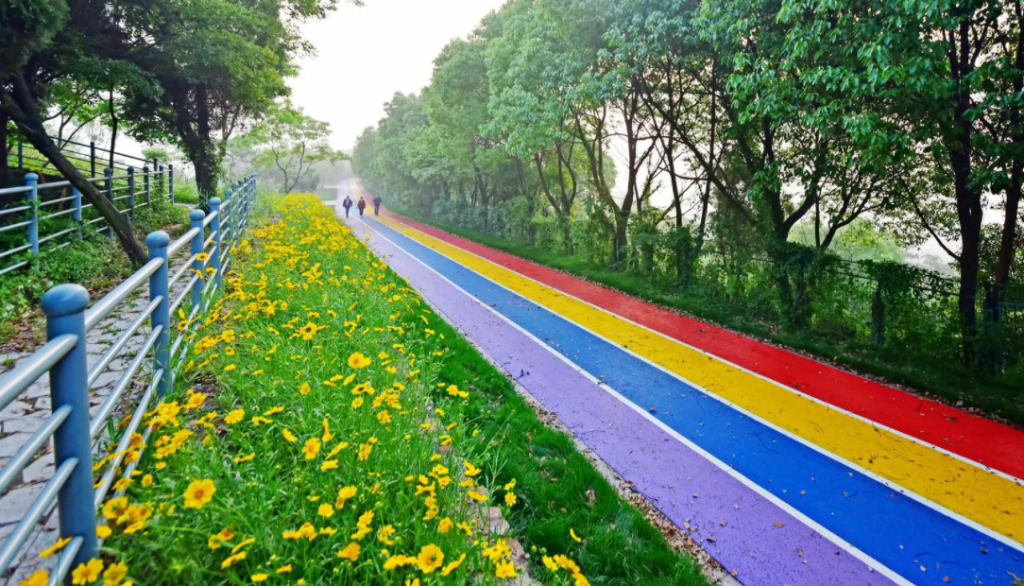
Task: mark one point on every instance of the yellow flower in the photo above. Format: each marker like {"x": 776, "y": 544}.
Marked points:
{"x": 103, "y": 531}
{"x": 325, "y": 510}
{"x": 257, "y": 578}
{"x": 479, "y": 497}
{"x": 384, "y": 417}
{"x": 364, "y": 452}
{"x": 289, "y": 436}
{"x": 64, "y": 540}
{"x": 312, "y": 448}
{"x": 445, "y": 525}
{"x": 147, "y": 480}
{"x": 284, "y": 569}
{"x": 505, "y": 569}
{"x": 304, "y": 389}
{"x": 397, "y": 561}
{"x": 234, "y": 416}
{"x": 572, "y": 533}
{"x": 328, "y": 465}
{"x": 115, "y": 574}
{"x": 567, "y": 564}
{"x": 273, "y": 410}
{"x": 550, "y": 563}
{"x": 230, "y": 560}
{"x": 385, "y": 533}
{"x": 38, "y": 578}
{"x": 343, "y": 495}
{"x": 350, "y": 552}
{"x": 87, "y": 573}
{"x": 215, "y": 540}
{"x": 430, "y": 558}
{"x": 198, "y": 493}
{"x": 202, "y": 257}
{"x": 471, "y": 470}
{"x": 240, "y": 459}
{"x": 244, "y": 543}
{"x": 357, "y": 402}
{"x": 453, "y": 565}
{"x": 510, "y": 498}
{"x": 358, "y": 360}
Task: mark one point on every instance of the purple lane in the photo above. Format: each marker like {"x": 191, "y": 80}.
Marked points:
{"x": 745, "y": 532}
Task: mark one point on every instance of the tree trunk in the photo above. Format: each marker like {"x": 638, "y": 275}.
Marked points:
{"x": 113, "y": 127}
{"x": 21, "y": 108}
{"x": 5, "y": 172}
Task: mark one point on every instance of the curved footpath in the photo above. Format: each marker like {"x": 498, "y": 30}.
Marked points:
{"x": 760, "y": 454}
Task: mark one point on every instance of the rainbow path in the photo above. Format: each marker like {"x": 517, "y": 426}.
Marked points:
{"x": 786, "y": 470}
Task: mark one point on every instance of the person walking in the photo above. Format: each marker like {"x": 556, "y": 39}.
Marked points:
{"x": 347, "y": 204}
{"x": 376, "y": 205}
{"x": 361, "y": 205}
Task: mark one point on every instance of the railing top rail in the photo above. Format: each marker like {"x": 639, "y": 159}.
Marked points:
{"x": 104, "y": 306}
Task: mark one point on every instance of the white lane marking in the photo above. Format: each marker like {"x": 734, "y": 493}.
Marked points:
{"x": 871, "y": 562}
{"x": 870, "y": 474}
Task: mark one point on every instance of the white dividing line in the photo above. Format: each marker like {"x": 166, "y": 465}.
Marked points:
{"x": 871, "y": 562}
{"x": 874, "y": 476}
{"x": 919, "y": 441}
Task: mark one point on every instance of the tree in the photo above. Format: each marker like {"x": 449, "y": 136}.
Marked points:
{"x": 291, "y": 143}
{"x": 54, "y": 41}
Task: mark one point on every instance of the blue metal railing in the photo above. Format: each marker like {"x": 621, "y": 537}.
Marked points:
{"x": 68, "y": 321}
{"x": 38, "y": 201}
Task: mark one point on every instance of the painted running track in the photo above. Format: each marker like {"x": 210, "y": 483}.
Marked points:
{"x": 750, "y": 462}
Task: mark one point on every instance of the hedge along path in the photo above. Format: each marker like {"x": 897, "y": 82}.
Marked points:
{"x": 317, "y": 459}
{"x": 847, "y": 500}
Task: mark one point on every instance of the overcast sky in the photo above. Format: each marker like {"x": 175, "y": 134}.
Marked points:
{"x": 364, "y": 55}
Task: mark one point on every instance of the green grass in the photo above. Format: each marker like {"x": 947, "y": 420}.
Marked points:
{"x": 949, "y": 381}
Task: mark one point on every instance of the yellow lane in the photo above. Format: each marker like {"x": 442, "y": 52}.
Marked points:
{"x": 986, "y": 498}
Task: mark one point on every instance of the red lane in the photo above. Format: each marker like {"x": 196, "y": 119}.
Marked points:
{"x": 995, "y": 445}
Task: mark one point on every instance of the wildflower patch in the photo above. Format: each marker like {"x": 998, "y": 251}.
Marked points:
{"x": 318, "y": 442}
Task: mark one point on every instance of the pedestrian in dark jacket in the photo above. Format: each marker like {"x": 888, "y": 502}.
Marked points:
{"x": 362, "y": 206}
{"x": 376, "y": 205}
{"x": 347, "y": 204}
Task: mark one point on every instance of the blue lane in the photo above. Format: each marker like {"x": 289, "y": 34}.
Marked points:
{"x": 919, "y": 543}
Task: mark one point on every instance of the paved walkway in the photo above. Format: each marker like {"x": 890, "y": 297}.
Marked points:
{"x": 787, "y": 470}
{"x": 24, "y": 416}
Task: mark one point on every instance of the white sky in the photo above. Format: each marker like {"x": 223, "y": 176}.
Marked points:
{"x": 364, "y": 55}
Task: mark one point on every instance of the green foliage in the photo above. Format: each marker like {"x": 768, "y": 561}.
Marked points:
{"x": 286, "y": 145}
{"x": 95, "y": 262}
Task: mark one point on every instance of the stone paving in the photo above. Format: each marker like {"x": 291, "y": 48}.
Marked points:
{"x": 26, "y": 414}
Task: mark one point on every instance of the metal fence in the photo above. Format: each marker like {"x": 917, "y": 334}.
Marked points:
{"x": 90, "y": 158}
{"x": 49, "y": 216}
{"x": 208, "y": 243}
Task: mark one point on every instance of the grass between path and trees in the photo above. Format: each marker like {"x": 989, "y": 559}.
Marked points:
{"x": 331, "y": 429}
{"x": 946, "y": 380}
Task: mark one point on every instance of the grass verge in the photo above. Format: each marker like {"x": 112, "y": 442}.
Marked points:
{"x": 337, "y": 431}
{"x": 950, "y": 382}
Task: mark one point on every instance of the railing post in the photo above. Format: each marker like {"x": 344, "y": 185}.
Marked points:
{"x": 92, "y": 157}
{"x": 158, "y": 287}
{"x": 215, "y": 228}
{"x": 64, "y": 306}
{"x": 32, "y": 181}
{"x": 170, "y": 181}
{"x": 145, "y": 173}
{"x": 21, "y": 154}
{"x": 131, "y": 192}
{"x": 196, "y": 217}
{"x": 77, "y": 214}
